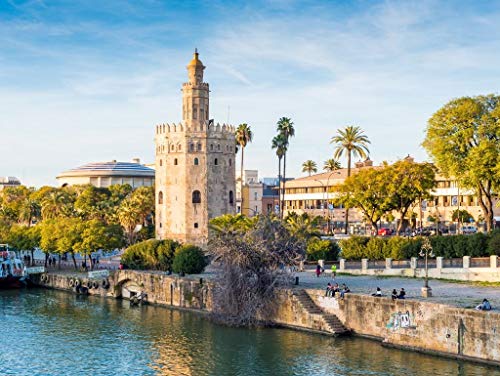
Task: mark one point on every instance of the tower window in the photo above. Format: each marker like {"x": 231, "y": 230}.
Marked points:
{"x": 191, "y": 147}
{"x": 211, "y": 147}
{"x": 202, "y": 113}
{"x": 175, "y": 161}
{"x": 230, "y": 162}
{"x": 161, "y": 162}
{"x": 199, "y": 146}
{"x": 195, "y": 111}
{"x": 196, "y": 162}
{"x": 218, "y": 147}
{"x": 196, "y": 197}
{"x": 179, "y": 147}
{"x": 216, "y": 161}
{"x": 196, "y": 225}
{"x": 172, "y": 147}
{"x": 231, "y": 198}
{"x": 160, "y": 197}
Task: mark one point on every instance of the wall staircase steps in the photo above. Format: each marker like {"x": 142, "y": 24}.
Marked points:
{"x": 331, "y": 321}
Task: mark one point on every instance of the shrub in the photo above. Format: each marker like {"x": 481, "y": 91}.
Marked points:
{"x": 395, "y": 247}
{"x": 477, "y": 245}
{"x": 354, "y": 248}
{"x": 494, "y": 243}
{"x": 318, "y": 249}
{"x": 189, "y": 259}
{"x": 375, "y": 248}
{"x": 150, "y": 254}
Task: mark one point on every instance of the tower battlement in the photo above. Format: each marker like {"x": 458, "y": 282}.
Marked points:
{"x": 179, "y": 128}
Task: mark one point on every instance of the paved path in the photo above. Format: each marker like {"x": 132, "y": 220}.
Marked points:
{"x": 457, "y": 294}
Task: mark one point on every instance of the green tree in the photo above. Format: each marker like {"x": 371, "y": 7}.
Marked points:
{"x": 129, "y": 216}
{"x": 285, "y": 128}
{"x": 463, "y": 217}
{"x": 189, "y": 259}
{"x": 367, "y": 191}
{"x": 309, "y": 166}
{"x": 302, "y": 226}
{"x": 49, "y": 235}
{"x": 94, "y": 203}
{"x": 25, "y": 238}
{"x": 56, "y": 202}
{"x": 12, "y": 200}
{"x": 354, "y": 143}
{"x": 408, "y": 182}
{"x": 331, "y": 165}
{"x": 463, "y": 139}
{"x": 279, "y": 143}
{"x": 243, "y": 136}
{"x": 69, "y": 237}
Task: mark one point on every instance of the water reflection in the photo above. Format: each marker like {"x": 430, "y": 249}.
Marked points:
{"x": 56, "y": 333}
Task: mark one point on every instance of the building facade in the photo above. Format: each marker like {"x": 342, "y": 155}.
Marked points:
{"x": 105, "y": 174}
{"x": 9, "y": 181}
{"x": 314, "y": 195}
{"x": 252, "y": 194}
{"x": 195, "y": 173}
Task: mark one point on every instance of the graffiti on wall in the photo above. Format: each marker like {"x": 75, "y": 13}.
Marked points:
{"x": 401, "y": 320}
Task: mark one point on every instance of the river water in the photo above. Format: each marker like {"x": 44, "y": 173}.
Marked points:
{"x": 46, "y": 332}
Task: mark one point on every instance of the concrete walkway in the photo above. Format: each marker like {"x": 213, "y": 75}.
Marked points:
{"x": 466, "y": 295}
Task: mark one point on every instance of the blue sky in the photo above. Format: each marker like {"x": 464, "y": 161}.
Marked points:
{"x": 87, "y": 81}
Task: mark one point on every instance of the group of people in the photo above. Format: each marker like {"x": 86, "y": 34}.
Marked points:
{"x": 394, "y": 295}
{"x": 332, "y": 289}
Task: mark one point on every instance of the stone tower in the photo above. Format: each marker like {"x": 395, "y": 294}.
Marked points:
{"x": 195, "y": 169}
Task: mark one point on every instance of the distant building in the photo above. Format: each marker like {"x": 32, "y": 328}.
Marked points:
{"x": 9, "y": 181}
{"x": 105, "y": 174}
{"x": 252, "y": 194}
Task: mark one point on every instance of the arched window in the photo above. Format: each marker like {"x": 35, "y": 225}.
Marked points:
{"x": 196, "y": 162}
{"x": 175, "y": 161}
{"x": 199, "y": 147}
{"x": 231, "y": 198}
{"x": 179, "y": 147}
{"x": 196, "y": 225}
{"x": 216, "y": 161}
{"x": 161, "y": 162}
{"x": 196, "y": 199}
{"x": 160, "y": 197}
{"x": 172, "y": 147}
{"x": 218, "y": 146}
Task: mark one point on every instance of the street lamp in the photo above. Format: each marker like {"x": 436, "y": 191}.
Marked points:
{"x": 426, "y": 251}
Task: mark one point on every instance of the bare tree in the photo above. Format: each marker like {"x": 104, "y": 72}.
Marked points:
{"x": 252, "y": 264}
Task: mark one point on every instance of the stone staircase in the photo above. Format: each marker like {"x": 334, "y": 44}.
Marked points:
{"x": 331, "y": 323}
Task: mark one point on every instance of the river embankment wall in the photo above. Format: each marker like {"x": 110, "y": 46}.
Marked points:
{"x": 411, "y": 324}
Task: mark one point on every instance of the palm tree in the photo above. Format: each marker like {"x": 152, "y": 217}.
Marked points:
{"x": 309, "y": 166}
{"x": 285, "y": 128}
{"x": 331, "y": 165}
{"x": 279, "y": 144}
{"x": 353, "y": 142}
{"x": 243, "y": 135}
{"x": 30, "y": 210}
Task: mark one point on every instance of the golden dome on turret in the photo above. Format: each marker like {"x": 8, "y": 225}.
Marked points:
{"x": 195, "y": 61}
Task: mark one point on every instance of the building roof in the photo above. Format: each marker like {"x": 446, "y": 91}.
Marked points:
{"x": 112, "y": 168}
{"x": 4, "y": 180}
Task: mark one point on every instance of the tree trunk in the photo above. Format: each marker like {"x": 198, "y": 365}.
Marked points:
{"x": 284, "y": 182}
{"x": 91, "y": 262}
{"x": 279, "y": 186}
{"x": 74, "y": 260}
{"x": 241, "y": 180}
{"x": 59, "y": 262}
{"x": 347, "y": 209}
{"x": 32, "y": 257}
{"x": 487, "y": 206}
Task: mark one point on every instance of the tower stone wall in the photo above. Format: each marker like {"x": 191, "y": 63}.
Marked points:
{"x": 195, "y": 169}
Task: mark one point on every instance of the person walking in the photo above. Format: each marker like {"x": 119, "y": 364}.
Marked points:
{"x": 334, "y": 271}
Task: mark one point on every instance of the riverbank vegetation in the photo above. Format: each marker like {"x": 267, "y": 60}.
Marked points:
{"x": 401, "y": 248}
{"x": 75, "y": 219}
{"x": 253, "y": 257}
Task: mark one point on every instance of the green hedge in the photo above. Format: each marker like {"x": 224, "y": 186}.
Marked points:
{"x": 189, "y": 259}
{"x": 150, "y": 255}
{"x": 318, "y": 249}
{"x": 399, "y": 248}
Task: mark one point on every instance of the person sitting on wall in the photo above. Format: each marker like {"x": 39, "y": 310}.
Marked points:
{"x": 329, "y": 289}
{"x": 484, "y": 306}
{"x": 394, "y": 294}
{"x": 402, "y": 294}
{"x": 378, "y": 293}
{"x": 344, "y": 290}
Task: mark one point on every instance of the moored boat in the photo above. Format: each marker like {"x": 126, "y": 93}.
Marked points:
{"x": 12, "y": 270}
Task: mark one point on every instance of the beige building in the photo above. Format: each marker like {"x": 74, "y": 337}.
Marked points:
{"x": 195, "y": 174}
{"x": 314, "y": 195}
{"x": 252, "y": 195}
{"x": 105, "y": 174}
{"x": 9, "y": 181}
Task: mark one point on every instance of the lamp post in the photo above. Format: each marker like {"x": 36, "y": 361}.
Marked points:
{"x": 426, "y": 251}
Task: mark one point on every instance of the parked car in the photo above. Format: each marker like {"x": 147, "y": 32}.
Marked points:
{"x": 469, "y": 230}
{"x": 384, "y": 231}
